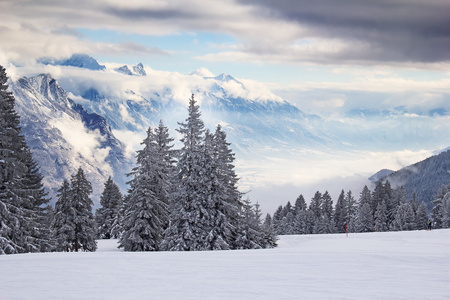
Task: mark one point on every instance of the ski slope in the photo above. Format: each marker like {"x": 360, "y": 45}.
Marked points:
{"x": 394, "y": 265}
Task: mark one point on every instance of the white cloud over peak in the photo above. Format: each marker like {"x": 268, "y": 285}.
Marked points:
{"x": 202, "y": 72}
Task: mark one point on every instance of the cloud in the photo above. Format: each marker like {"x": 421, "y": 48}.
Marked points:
{"x": 84, "y": 142}
{"x": 272, "y": 181}
{"x": 374, "y": 31}
{"x": 131, "y": 139}
{"x": 202, "y": 72}
{"x": 286, "y": 31}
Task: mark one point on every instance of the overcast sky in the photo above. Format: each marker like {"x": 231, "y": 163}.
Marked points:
{"x": 321, "y": 55}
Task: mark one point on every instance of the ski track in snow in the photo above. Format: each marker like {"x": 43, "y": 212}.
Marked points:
{"x": 394, "y": 265}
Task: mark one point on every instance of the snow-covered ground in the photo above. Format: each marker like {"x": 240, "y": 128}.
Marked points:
{"x": 395, "y": 265}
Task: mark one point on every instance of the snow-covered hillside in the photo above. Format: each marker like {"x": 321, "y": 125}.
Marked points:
{"x": 64, "y": 136}
{"x": 392, "y": 265}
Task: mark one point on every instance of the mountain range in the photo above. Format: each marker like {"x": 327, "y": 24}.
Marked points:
{"x": 95, "y": 116}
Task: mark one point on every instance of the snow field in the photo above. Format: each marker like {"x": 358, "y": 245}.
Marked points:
{"x": 393, "y": 265}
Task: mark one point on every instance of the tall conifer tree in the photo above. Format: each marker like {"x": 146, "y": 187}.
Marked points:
{"x": 111, "y": 201}
{"x": 340, "y": 213}
{"x": 228, "y": 179}
{"x": 24, "y": 225}
{"x": 146, "y": 208}
{"x": 63, "y": 225}
{"x": 185, "y": 231}
{"x": 84, "y": 223}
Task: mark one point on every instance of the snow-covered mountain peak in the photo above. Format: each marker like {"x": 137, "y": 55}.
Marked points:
{"x": 225, "y": 77}
{"x": 45, "y": 88}
{"x": 137, "y": 70}
{"x": 76, "y": 60}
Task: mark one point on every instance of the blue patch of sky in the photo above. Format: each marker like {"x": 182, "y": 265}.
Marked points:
{"x": 180, "y": 47}
{"x": 183, "y": 48}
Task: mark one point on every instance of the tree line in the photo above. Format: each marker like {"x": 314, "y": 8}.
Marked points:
{"x": 383, "y": 209}
{"x": 178, "y": 199}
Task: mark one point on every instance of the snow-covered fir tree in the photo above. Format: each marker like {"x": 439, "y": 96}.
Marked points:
{"x": 167, "y": 159}
{"x": 327, "y": 225}
{"x": 287, "y": 221}
{"x": 24, "y": 225}
{"x": 365, "y": 196}
{"x": 146, "y": 208}
{"x": 445, "y": 211}
{"x": 231, "y": 197}
{"x": 251, "y": 236}
{"x": 188, "y": 207}
{"x": 340, "y": 213}
{"x": 316, "y": 204}
{"x": 404, "y": 218}
{"x": 351, "y": 209}
{"x": 438, "y": 197}
{"x": 381, "y": 217}
{"x": 364, "y": 222}
{"x": 277, "y": 220}
{"x": 111, "y": 201}
{"x": 205, "y": 206}
{"x": 422, "y": 216}
{"x": 397, "y": 197}
{"x": 269, "y": 236}
{"x": 84, "y": 234}
{"x": 63, "y": 225}
{"x": 300, "y": 204}
{"x": 304, "y": 220}
{"x": 118, "y": 225}
{"x": 218, "y": 230}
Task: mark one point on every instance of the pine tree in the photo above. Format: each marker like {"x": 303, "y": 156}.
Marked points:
{"x": 328, "y": 213}
{"x": 187, "y": 221}
{"x": 381, "y": 217}
{"x": 382, "y": 193}
{"x": 300, "y": 204}
{"x": 340, "y": 214}
{"x": 351, "y": 209}
{"x": 445, "y": 211}
{"x": 365, "y": 196}
{"x": 316, "y": 205}
{"x": 365, "y": 219}
{"x": 230, "y": 203}
{"x": 404, "y": 218}
{"x": 24, "y": 212}
{"x": 83, "y": 220}
{"x": 397, "y": 197}
{"x": 327, "y": 205}
{"x": 422, "y": 216}
{"x": 146, "y": 208}
{"x": 269, "y": 236}
{"x": 437, "y": 205}
{"x": 166, "y": 157}
{"x": 251, "y": 236}
{"x": 288, "y": 219}
{"x": 111, "y": 201}
{"x": 217, "y": 231}
{"x": 63, "y": 221}
{"x": 277, "y": 220}
{"x": 118, "y": 224}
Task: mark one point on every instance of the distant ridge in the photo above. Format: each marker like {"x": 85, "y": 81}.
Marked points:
{"x": 423, "y": 178}
{"x": 380, "y": 175}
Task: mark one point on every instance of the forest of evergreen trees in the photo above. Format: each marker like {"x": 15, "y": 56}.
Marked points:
{"x": 178, "y": 200}
{"x": 383, "y": 209}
